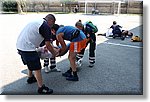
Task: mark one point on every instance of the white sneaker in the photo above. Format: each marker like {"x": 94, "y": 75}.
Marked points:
{"x": 79, "y": 63}
{"x": 47, "y": 69}
{"x": 55, "y": 70}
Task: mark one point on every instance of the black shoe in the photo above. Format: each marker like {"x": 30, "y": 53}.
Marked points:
{"x": 122, "y": 38}
{"x": 31, "y": 80}
{"x": 72, "y": 78}
{"x": 44, "y": 90}
{"x": 67, "y": 74}
{"x": 91, "y": 65}
{"x": 53, "y": 66}
{"x": 55, "y": 70}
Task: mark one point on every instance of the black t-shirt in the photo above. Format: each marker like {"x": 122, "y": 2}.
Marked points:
{"x": 45, "y": 31}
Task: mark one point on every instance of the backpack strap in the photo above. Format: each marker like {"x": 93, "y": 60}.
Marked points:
{"x": 92, "y": 26}
{"x": 75, "y": 34}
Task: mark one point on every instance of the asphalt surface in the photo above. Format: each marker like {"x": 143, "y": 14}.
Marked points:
{"x": 118, "y": 69}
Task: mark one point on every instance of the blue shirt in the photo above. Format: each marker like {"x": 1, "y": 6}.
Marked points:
{"x": 68, "y": 32}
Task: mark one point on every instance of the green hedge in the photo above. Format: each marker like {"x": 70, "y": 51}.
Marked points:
{"x": 9, "y": 6}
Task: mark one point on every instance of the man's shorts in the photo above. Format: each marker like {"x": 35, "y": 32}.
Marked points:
{"x": 31, "y": 59}
{"x": 78, "y": 46}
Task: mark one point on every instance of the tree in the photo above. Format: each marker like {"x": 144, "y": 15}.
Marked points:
{"x": 21, "y": 5}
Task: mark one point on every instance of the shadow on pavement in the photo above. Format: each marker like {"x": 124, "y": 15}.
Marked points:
{"x": 118, "y": 71}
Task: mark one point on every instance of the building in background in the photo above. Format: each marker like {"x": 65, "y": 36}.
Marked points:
{"x": 68, "y": 6}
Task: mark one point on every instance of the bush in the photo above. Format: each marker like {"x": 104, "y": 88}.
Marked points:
{"x": 9, "y": 6}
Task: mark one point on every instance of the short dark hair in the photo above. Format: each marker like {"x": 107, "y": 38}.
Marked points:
{"x": 114, "y": 22}
{"x": 50, "y": 16}
{"x": 79, "y": 20}
{"x": 55, "y": 27}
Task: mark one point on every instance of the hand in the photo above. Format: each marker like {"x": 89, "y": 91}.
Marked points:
{"x": 88, "y": 35}
{"x": 58, "y": 53}
{"x": 45, "y": 49}
{"x": 57, "y": 50}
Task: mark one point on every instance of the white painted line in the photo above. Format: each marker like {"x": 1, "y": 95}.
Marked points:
{"x": 122, "y": 45}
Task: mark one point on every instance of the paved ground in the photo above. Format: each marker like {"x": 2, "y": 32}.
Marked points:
{"x": 118, "y": 68}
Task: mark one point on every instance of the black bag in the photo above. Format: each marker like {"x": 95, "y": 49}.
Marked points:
{"x": 75, "y": 34}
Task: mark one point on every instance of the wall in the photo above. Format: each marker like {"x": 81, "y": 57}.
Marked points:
{"x": 133, "y": 7}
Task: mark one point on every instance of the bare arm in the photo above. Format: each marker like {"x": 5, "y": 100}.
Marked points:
{"x": 50, "y": 47}
{"x": 62, "y": 43}
{"x": 57, "y": 42}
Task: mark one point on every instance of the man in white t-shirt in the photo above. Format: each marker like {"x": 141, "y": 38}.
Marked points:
{"x": 29, "y": 39}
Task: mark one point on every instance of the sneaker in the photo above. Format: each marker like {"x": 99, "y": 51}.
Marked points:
{"x": 79, "y": 63}
{"x": 44, "y": 90}
{"x": 31, "y": 80}
{"x": 46, "y": 68}
{"x": 72, "y": 78}
{"x": 91, "y": 65}
{"x": 55, "y": 70}
{"x": 67, "y": 74}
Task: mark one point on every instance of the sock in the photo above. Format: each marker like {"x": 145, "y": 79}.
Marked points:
{"x": 75, "y": 74}
{"x": 70, "y": 69}
{"x": 46, "y": 62}
{"x": 53, "y": 63}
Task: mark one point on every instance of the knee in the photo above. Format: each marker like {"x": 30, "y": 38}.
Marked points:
{"x": 71, "y": 58}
